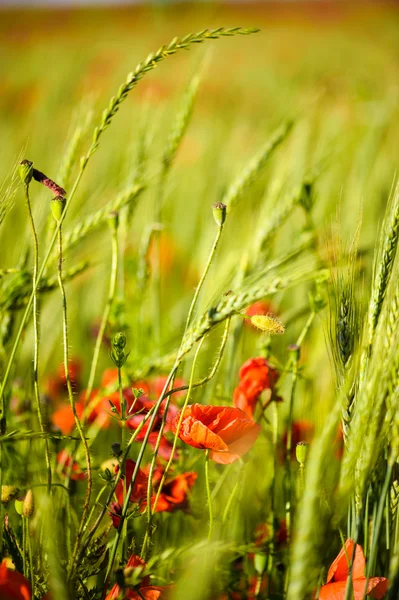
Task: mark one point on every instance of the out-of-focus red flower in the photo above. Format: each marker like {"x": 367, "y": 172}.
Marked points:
{"x": 63, "y": 418}
{"x": 145, "y": 590}
{"x": 139, "y": 491}
{"x": 115, "y": 513}
{"x": 73, "y": 470}
{"x": 262, "y": 307}
{"x": 256, "y": 375}
{"x": 263, "y": 533}
{"x": 56, "y": 384}
{"x": 227, "y": 432}
{"x": 338, "y": 574}
{"x": 174, "y": 495}
{"x": 13, "y": 585}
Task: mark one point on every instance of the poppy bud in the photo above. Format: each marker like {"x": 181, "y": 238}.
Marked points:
{"x": 301, "y": 451}
{"x": 19, "y": 506}
{"x": 57, "y": 207}
{"x": 116, "y": 449}
{"x": 268, "y": 323}
{"x": 219, "y": 212}
{"x": 26, "y": 171}
{"x": 8, "y": 492}
{"x": 28, "y": 505}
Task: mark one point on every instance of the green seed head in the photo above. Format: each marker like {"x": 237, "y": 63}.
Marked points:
{"x": 219, "y": 212}
{"x": 301, "y": 452}
{"x": 58, "y": 207}
{"x": 19, "y": 506}
{"x": 26, "y": 171}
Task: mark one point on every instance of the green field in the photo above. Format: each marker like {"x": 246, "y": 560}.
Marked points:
{"x": 137, "y": 286}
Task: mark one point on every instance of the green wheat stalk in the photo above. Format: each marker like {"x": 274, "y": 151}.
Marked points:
{"x": 251, "y": 171}
{"x": 148, "y": 65}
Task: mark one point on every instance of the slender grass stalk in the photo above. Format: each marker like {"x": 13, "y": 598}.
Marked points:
{"x": 204, "y": 273}
{"x": 72, "y": 403}
{"x": 209, "y": 496}
{"x": 151, "y": 509}
{"x": 36, "y": 328}
{"x": 113, "y": 220}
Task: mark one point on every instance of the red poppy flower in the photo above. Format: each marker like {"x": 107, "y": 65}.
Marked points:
{"x": 174, "y": 495}
{"x": 115, "y": 511}
{"x": 13, "y": 585}
{"x": 74, "y": 471}
{"x": 339, "y": 572}
{"x": 256, "y": 375}
{"x": 139, "y": 491}
{"x": 146, "y": 591}
{"x": 226, "y": 431}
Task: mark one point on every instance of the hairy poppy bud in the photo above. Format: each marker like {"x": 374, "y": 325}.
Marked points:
{"x": 219, "y": 212}
{"x": 28, "y": 505}
{"x": 57, "y": 207}
{"x": 8, "y": 492}
{"x": 301, "y": 451}
{"x": 268, "y": 323}
{"x": 26, "y": 171}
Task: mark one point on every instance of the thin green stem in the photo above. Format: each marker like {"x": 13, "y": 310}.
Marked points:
{"x": 24, "y": 546}
{"x": 36, "y": 335}
{"x": 377, "y": 525}
{"x": 72, "y": 403}
{"x": 113, "y": 487}
{"x": 203, "y": 277}
{"x": 151, "y": 509}
{"x": 136, "y": 470}
{"x": 208, "y": 495}
{"x": 104, "y": 321}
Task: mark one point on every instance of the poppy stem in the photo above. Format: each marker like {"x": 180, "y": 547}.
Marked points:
{"x": 203, "y": 277}
{"x": 72, "y": 403}
{"x": 36, "y": 334}
{"x": 209, "y": 496}
{"x": 100, "y": 336}
{"x": 151, "y": 507}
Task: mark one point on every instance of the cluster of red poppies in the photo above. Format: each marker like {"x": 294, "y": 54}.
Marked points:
{"x": 173, "y": 496}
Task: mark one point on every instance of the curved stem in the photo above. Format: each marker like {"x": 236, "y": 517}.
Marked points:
{"x": 209, "y": 495}
{"x": 151, "y": 509}
{"x": 100, "y": 336}
{"x": 113, "y": 488}
{"x": 36, "y": 335}
{"x": 201, "y": 281}
{"x": 136, "y": 470}
{"x": 72, "y": 403}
